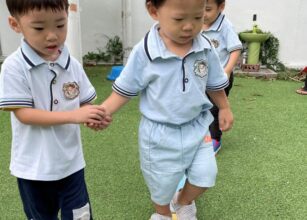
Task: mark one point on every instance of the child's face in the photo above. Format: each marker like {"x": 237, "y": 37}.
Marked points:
{"x": 179, "y": 20}
{"x": 44, "y": 30}
{"x": 212, "y": 10}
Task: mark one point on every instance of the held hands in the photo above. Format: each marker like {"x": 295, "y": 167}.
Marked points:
{"x": 225, "y": 119}
{"x": 88, "y": 114}
{"x": 102, "y": 123}
{"x": 94, "y": 115}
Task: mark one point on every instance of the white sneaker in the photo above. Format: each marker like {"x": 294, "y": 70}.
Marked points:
{"x": 157, "y": 216}
{"x": 183, "y": 212}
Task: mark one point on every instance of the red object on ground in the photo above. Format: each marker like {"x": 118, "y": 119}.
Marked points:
{"x": 304, "y": 70}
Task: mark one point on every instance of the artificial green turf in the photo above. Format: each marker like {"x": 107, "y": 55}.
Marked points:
{"x": 262, "y": 164}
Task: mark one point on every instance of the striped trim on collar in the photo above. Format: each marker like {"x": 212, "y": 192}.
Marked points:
{"x": 217, "y": 24}
{"x": 33, "y": 59}
{"x": 67, "y": 63}
{"x": 207, "y": 39}
{"x": 146, "y": 46}
{"x": 154, "y": 46}
{"x": 221, "y": 22}
{"x": 27, "y": 59}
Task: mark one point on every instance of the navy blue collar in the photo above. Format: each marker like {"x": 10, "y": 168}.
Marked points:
{"x": 217, "y": 24}
{"x": 33, "y": 59}
{"x": 155, "y": 47}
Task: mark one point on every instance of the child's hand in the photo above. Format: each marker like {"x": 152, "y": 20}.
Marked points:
{"x": 225, "y": 119}
{"x": 89, "y": 114}
{"x": 104, "y": 123}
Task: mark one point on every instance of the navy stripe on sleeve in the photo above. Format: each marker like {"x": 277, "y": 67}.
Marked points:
{"x": 16, "y": 103}
{"x": 123, "y": 92}
{"x": 88, "y": 100}
{"x": 218, "y": 87}
{"x": 235, "y": 48}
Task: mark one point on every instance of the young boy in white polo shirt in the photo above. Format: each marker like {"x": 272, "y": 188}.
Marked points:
{"x": 171, "y": 68}
{"x": 44, "y": 87}
{"x": 226, "y": 42}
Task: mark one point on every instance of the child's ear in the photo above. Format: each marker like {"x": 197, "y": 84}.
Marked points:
{"x": 152, "y": 10}
{"x": 222, "y": 7}
{"x": 14, "y": 24}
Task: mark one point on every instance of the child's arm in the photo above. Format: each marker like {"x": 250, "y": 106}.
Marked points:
{"x": 233, "y": 59}
{"x": 114, "y": 102}
{"x": 85, "y": 114}
{"x": 225, "y": 115}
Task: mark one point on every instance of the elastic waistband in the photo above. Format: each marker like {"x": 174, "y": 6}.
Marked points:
{"x": 171, "y": 125}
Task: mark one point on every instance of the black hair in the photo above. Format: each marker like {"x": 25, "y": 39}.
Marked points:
{"x": 21, "y": 7}
{"x": 219, "y": 2}
{"x": 156, "y": 3}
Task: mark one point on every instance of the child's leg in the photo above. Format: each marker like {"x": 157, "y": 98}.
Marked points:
{"x": 229, "y": 87}
{"x": 44, "y": 199}
{"x": 163, "y": 209}
{"x": 214, "y": 127}
{"x": 39, "y": 199}
{"x": 166, "y": 152}
{"x": 183, "y": 202}
{"x": 74, "y": 199}
{"x": 189, "y": 193}
{"x": 160, "y": 160}
{"x": 200, "y": 175}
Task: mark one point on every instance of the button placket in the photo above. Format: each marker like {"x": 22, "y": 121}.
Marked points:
{"x": 53, "y": 100}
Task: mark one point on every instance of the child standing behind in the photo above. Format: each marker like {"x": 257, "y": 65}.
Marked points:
{"x": 43, "y": 87}
{"x": 226, "y": 41}
{"x": 171, "y": 68}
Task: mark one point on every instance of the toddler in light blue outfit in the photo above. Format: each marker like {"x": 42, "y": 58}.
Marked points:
{"x": 171, "y": 69}
{"x": 221, "y": 33}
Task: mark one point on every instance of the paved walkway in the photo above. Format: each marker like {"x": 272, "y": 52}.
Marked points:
{"x": 262, "y": 73}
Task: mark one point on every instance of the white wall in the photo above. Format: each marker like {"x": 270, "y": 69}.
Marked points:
{"x": 99, "y": 19}
{"x": 8, "y": 38}
{"x": 287, "y": 20}
{"x": 73, "y": 39}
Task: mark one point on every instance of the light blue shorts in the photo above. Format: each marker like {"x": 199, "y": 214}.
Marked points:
{"x": 167, "y": 152}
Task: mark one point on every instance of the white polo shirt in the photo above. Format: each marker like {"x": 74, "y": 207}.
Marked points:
{"x": 26, "y": 80}
{"x": 172, "y": 88}
{"x": 224, "y": 38}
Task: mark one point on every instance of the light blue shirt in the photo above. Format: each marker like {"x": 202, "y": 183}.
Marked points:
{"x": 224, "y": 38}
{"x": 27, "y": 81}
{"x": 172, "y": 89}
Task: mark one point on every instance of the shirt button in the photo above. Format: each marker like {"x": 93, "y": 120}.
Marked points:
{"x": 186, "y": 80}
{"x": 51, "y": 64}
{"x": 55, "y": 101}
{"x": 54, "y": 81}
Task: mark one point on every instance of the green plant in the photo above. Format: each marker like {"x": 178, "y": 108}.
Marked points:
{"x": 114, "y": 48}
{"x": 269, "y": 53}
{"x": 91, "y": 56}
{"x": 113, "y": 52}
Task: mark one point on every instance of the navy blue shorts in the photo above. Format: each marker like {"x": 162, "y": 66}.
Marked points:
{"x": 42, "y": 200}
